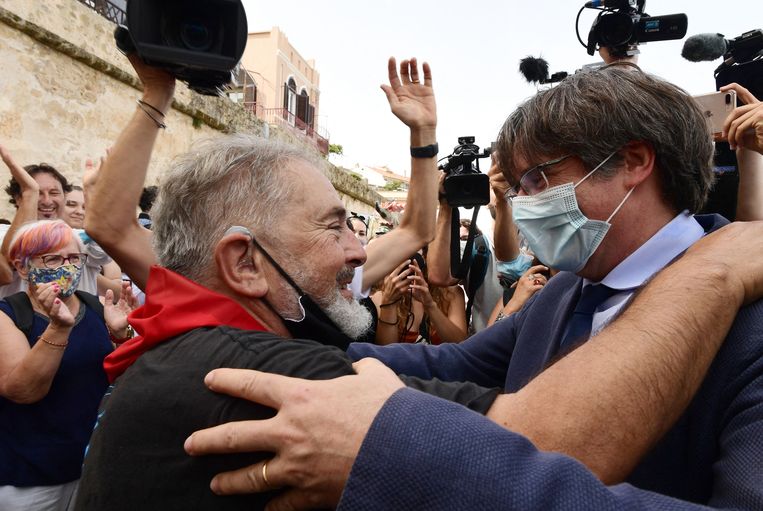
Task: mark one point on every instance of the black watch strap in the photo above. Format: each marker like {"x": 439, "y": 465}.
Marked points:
{"x": 427, "y": 151}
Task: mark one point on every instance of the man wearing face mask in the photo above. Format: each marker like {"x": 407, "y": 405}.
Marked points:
{"x": 607, "y": 169}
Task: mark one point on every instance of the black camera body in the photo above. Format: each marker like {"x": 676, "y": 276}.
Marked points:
{"x": 465, "y": 186}
{"x": 199, "y": 41}
{"x": 623, "y": 24}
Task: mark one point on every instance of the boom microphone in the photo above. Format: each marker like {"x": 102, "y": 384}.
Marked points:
{"x": 534, "y": 70}
{"x": 744, "y": 48}
{"x": 703, "y": 47}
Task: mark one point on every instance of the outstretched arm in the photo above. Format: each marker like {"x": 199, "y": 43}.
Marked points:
{"x": 26, "y": 212}
{"x": 111, "y": 217}
{"x": 636, "y": 378}
{"x": 505, "y": 238}
{"x": 413, "y": 103}
{"x": 438, "y": 256}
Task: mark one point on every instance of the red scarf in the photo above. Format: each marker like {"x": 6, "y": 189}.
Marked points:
{"x": 174, "y": 305}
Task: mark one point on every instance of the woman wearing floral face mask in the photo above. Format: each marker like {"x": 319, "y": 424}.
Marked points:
{"x": 51, "y": 376}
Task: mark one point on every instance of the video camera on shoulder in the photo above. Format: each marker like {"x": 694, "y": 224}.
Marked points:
{"x": 623, "y": 24}
{"x": 199, "y": 41}
{"x": 465, "y": 185}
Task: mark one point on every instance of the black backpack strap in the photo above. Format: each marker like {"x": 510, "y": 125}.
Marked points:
{"x": 91, "y": 301}
{"x": 23, "y": 311}
{"x": 459, "y": 266}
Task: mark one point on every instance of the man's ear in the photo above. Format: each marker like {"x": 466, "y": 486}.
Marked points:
{"x": 638, "y": 158}
{"x": 239, "y": 266}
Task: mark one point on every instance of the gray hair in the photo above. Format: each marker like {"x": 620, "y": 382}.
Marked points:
{"x": 591, "y": 114}
{"x": 232, "y": 180}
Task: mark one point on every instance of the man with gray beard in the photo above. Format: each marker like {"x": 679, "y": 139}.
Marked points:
{"x": 251, "y": 256}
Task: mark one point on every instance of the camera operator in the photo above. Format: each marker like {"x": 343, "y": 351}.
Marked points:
{"x": 608, "y": 57}
{"x": 503, "y": 256}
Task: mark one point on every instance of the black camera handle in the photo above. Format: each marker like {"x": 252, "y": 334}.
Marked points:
{"x": 459, "y": 266}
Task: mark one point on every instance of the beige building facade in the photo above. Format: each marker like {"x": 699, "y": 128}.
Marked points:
{"x": 66, "y": 92}
{"x": 286, "y": 86}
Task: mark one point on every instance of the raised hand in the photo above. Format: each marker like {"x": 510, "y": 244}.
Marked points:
{"x": 411, "y": 100}
{"x": 158, "y": 84}
{"x": 743, "y": 94}
{"x": 90, "y": 176}
{"x": 53, "y": 307}
{"x": 22, "y": 177}
{"x": 115, "y": 314}
{"x": 744, "y": 125}
{"x": 497, "y": 181}
{"x": 396, "y": 283}
{"x": 419, "y": 286}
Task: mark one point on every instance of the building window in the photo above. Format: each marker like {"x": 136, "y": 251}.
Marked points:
{"x": 303, "y": 109}
{"x": 290, "y": 101}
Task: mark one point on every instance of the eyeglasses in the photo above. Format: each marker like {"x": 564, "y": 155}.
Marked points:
{"x": 534, "y": 180}
{"x": 55, "y": 260}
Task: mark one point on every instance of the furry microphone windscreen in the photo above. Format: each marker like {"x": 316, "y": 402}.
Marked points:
{"x": 704, "y": 47}
{"x": 533, "y": 69}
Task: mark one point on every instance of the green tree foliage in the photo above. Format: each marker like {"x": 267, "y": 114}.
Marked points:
{"x": 393, "y": 185}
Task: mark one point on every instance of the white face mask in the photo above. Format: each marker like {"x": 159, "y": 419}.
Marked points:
{"x": 559, "y": 234}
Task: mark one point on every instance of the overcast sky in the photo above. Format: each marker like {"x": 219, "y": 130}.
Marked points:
{"x": 474, "y": 49}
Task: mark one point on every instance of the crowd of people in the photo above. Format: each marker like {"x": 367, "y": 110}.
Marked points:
{"x": 236, "y": 337}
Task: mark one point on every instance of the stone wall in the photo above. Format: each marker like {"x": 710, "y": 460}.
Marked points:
{"x": 66, "y": 92}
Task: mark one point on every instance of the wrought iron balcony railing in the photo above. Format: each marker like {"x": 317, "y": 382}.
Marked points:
{"x": 113, "y": 11}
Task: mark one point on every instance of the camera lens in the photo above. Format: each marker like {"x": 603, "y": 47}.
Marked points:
{"x": 615, "y": 29}
{"x": 195, "y": 35}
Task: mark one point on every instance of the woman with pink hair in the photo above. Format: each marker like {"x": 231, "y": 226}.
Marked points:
{"x": 52, "y": 344}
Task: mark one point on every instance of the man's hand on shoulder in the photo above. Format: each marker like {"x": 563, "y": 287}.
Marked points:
{"x": 316, "y": 434}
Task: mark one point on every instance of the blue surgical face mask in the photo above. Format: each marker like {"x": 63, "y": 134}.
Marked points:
{"x": 66, "y": 276}
{"x": 559, "y": 234}
{"x": 511, "y": 271}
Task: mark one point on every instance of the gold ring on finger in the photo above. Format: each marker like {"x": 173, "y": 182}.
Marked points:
{"x": 265, "y": 474}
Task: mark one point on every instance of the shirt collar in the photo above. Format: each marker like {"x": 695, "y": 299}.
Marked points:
{"x": 175, "y": 305}
{"x": 659, "y": 250}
